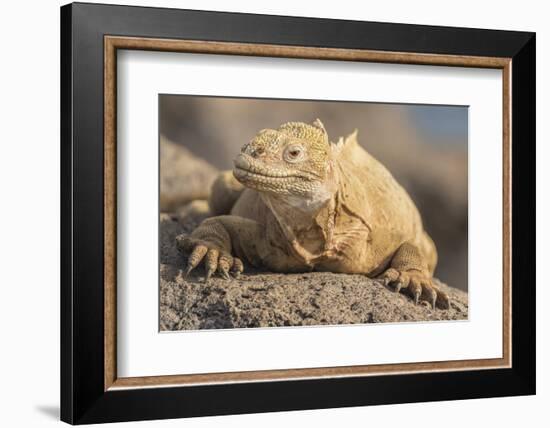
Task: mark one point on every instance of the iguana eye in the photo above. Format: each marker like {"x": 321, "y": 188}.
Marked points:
{"x": 294, "y": 153}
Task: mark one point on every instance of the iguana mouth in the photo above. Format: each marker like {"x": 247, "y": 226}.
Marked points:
{"x": 247, "y": 174}
{"x": 250, "y": 169}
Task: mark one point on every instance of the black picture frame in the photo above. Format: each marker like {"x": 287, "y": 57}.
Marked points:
{"x": 83, "y": 398}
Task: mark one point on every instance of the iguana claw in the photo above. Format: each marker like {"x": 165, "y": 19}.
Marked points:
{"x": 209, "y": 273}
{"x": 215, "y": 260}
{"x": 418, "y": 285}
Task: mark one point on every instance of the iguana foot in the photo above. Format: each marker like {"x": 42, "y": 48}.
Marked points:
{"x": 215, "y": 259}
{"x": 418, "y": 285}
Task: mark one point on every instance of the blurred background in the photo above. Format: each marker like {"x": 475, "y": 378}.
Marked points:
{"x": 424, "y": 146}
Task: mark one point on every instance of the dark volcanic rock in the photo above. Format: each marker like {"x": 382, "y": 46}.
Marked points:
{"x": 263, "y": 299}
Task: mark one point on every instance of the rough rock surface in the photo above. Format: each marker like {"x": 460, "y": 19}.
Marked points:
{"x": 184, "y": 177}
{"x": 264, "y": 299}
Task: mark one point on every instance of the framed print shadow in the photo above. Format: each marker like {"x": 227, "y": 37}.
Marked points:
{"x": 265, "y": 213}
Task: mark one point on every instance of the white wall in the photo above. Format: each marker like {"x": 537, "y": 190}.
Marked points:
{"x": 29, "y": 165}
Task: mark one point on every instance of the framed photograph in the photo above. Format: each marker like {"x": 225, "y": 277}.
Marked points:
{"x": 265, "y": 213}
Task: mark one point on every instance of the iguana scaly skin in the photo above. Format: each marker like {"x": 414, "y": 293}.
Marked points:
{"x": 296, "y": 202}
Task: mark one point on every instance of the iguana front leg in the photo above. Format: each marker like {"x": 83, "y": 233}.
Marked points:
{"x": 221, "y": 243}
{"x": 409, "y": 271}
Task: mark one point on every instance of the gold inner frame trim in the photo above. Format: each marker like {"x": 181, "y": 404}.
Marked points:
{"x": 113, "y": 43}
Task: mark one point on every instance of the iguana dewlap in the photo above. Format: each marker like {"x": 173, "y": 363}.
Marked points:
{"x": 296, "y": 202}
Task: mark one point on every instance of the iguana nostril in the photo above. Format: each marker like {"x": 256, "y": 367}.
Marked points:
{"x": 257, "y": 152}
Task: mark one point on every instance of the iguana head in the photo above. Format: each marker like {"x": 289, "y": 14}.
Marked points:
{"x": 293, "y": 160}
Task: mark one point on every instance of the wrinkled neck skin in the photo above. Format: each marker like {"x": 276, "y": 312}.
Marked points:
{"x": 298, "y": 215}
{"x": 296, "y": 211}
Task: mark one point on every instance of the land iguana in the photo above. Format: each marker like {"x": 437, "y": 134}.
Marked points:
{"x": 296, "y": 202}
